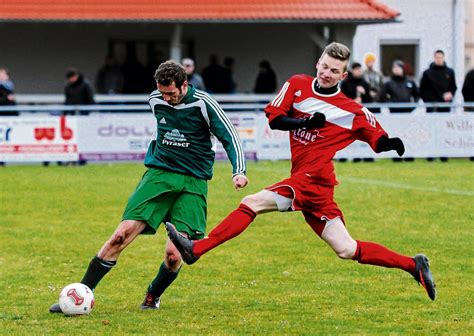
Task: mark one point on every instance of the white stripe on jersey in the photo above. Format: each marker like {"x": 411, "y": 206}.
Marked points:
{"x": 205, "y": 115}
{"x": 281, "y": 95}
{"x": 240, "y": 160}
{"x": 370, "y": 117}
{"x": 334, "y": 114}
{"x": 153, "y": 99}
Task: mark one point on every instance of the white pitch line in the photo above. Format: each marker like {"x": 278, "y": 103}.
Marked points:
{"x": 405, "y": 186}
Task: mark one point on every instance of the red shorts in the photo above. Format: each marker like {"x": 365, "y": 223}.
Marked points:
{"x": 316, "y": 201}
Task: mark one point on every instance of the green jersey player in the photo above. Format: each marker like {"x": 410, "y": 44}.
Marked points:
{"x": 174, "y": 187}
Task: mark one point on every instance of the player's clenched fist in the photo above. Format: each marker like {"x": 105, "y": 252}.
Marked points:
{"x": 240, "y": 181}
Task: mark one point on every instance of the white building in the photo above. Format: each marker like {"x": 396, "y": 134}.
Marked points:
{"x": 424, "y": 26}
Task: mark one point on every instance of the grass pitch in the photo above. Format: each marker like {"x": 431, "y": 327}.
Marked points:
{"x": 276, "y": 278}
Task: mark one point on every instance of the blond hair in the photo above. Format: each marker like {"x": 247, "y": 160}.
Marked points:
{"x": 338, "y": 51}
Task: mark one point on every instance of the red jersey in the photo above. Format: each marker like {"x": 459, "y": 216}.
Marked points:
{"x": 312, "y": 151}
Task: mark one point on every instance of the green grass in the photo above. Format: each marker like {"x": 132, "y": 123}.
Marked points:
{"x": 276, "y": 278}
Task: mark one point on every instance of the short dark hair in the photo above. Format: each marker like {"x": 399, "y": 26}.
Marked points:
{"x": 170, "y": 72}
{"x": 439, "y": 51}
{"x": 71, "y": 72}
{"x": 356, "y": 65}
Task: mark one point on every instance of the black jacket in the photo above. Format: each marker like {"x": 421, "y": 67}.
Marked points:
{"x": 436, "y": 81}
{"x": 349, "y": 88}
{"x": 5, "y": 91}
{"x": 266, "y": 82}
{"x": 79, "y": 92}
{"x": 468, "y": 87}
{"x": 399, "y": 90}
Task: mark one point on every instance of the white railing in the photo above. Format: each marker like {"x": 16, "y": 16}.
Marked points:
{"x": 54, "y": 104}
{"x": 133, "y": 98}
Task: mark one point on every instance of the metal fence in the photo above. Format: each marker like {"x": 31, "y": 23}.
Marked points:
{"x": 53, "y": 104}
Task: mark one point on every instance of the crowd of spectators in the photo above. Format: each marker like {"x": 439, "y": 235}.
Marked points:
{"x": 364, "y": 85}
{"x": 437, "y": 84}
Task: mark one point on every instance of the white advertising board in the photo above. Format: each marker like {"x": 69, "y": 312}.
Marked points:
{"x": 38, "y": 139}
{"x": 112, "y": 137}
{"x": 115, "y": 136}
{"x": 424, "y": 135}
{"x": 272, "y": 144}
{"x": 246, "y": 125}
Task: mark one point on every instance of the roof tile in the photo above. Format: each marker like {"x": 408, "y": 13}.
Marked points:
{"x": 194, "y": 10}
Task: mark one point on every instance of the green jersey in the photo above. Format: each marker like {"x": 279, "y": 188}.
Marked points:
{"x": 186, "y": 135}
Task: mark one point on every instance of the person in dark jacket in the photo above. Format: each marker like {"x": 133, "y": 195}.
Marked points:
{"x": 216, "y": 77}
{"x": 438, "y": 83}
{"x": 229, "y": 65}
{"x": 110, "y": 77}
{"x": 468, "y": 90}
{"x": 78, "y": 90}
{"x": 266, "y": 81}
{"x": 193, "y": 77}
{"x": 354, "y": 85}
{"x": 399, "y": 89}
{"x": 7, "y": 95}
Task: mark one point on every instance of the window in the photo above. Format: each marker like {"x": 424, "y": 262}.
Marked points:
{"x": 406, "y": 51}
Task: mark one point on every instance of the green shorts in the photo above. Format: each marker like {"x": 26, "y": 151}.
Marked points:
{"x": 166, "y": 196}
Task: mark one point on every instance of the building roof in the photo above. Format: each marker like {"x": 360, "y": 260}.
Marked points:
{"x": 197, "y": 10}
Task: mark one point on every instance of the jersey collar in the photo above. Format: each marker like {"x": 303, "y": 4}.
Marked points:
{"x": 189, "y": 94}
{"x": 325, "y": 92}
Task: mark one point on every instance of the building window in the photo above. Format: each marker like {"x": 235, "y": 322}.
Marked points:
{"x": 406, "y": 51}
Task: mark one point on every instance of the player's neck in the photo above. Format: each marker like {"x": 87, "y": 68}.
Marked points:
{"x": 325, "y": 91}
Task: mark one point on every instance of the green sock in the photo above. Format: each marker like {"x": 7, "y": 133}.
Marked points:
{"x": 163, "y": 279}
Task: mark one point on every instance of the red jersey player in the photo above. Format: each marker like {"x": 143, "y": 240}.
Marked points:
{"x": 321, "y": 120}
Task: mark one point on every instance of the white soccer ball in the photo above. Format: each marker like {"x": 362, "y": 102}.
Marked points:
{"x": 76, "y": 299}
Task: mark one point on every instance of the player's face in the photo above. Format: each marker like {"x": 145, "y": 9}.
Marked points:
{"x": 172, "y": 94}
{"x": 330, "y": 71}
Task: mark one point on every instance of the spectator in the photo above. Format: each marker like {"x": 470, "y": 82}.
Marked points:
{"x": 193, "y": 78}
{"x": 373, "y": 76}
{"x": 7, "y": 95}
{"x": 154, "y": 58}
{"x": 229, "y": 64}
{"x": 78, "y": 90}
{"x": 266, "y": 81}
{"x": 110, "y": 78}
{"x": 355, "y": 87}
{"x": 215, "y": 76}
{"x": 399, "y": 89}
{"x": 438, "y": 83}
{"x": 468, "y": 90}
{"x": 134, "y": 75}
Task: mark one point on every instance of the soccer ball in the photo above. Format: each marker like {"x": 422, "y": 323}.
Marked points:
{"x": 76, "y": 299}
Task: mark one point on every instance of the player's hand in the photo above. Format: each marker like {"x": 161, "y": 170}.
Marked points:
{"x": 240, "y": 181}
{"x": 385, "y": 144}
{"x": 317, "y": 120}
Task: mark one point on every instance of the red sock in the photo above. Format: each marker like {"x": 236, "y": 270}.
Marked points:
{"x": 233, "y": 225}
{"x": 375, "y": 254}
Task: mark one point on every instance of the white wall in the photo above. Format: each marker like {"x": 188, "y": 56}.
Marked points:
{"x": 469, "y": 35}
{"x": 429, "y": 21}
{"x": 37, "y": 55}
